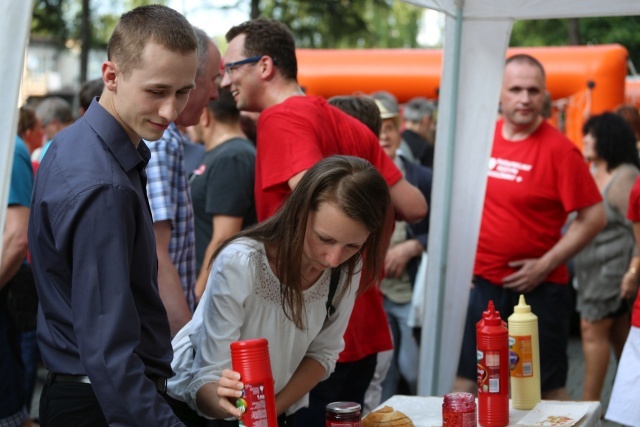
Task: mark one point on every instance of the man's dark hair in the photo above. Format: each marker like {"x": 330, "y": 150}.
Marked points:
{"x": 268, "y": 37}
{"x": 157, "y": 23}
{"x": 89, "y": 90}
{"x": 224, "y": 108}
{"x": 361, "y": 107}
{"x": 523, "y": 58}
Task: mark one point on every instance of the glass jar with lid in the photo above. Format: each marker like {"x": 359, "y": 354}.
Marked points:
{"x": 343, "y": 414}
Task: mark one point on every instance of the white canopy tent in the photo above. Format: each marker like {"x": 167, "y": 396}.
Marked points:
{"x": 15, "y": 22}
{"x": 476, "y": 39}
{"x": 477, "y": 35}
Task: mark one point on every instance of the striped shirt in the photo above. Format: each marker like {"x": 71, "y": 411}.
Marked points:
{"x": 170, "y": 199}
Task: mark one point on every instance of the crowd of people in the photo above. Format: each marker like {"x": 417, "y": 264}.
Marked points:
{"x": 201, "y": 200}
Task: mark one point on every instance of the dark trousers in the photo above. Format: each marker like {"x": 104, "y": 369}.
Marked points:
{"x": 348, "y": 382}
{"x": 11, "y": 369}
{"x": 191, "y": 419}
{"x": 64, "y": 404}
{"x": 30, "y": 359}
{"x": 70, "y": 404}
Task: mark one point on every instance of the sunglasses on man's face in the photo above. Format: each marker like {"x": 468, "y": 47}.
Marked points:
{"x": 228, "y": 68}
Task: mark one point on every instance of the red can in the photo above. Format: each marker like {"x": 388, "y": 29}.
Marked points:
{"x": 343, "y": 414}
{"x": 459, "y": 410}
{"x": 258, "y": 402}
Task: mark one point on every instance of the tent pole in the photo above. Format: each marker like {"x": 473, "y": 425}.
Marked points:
{"x": 452, "y": 122}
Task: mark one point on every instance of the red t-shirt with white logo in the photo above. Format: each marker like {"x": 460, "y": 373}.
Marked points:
{"x": 299, "y": 132}
{"x": 532, "y": 186}
{"x": 633, "y": 214}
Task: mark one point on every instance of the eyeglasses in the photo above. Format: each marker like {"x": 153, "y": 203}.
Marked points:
{"x": 228, "y": 68}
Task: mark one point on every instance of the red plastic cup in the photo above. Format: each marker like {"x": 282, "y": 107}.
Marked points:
{"x": 251, "y": 359}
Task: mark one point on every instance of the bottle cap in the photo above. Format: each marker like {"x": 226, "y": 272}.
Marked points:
{"x": 491, "y": 316}
{"x": 522, "y": 306}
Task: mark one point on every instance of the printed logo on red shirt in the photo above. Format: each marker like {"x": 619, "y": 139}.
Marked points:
{"x": 507, "y": 170}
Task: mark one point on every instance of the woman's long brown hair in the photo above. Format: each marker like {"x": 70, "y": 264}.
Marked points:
{"x": 359, "y": 191}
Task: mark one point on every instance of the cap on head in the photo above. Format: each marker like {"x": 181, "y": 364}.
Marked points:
{"x": 387, "y": 104}
{"x": 385, "y": 111}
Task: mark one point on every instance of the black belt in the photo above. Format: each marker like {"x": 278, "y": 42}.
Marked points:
{"x": 158, "y": 381}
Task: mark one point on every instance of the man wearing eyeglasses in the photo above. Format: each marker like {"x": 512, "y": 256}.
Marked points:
{"x": 170, "y": 198}
{"x": 295, "y": 132}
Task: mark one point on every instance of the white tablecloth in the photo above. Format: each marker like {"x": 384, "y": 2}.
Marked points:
{"x": 427, "y": 411}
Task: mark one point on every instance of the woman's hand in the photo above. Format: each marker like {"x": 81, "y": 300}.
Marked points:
{"x": 229, "y": 389}
{"x": 629, "y": 285}
{"x": 217, "y": 400}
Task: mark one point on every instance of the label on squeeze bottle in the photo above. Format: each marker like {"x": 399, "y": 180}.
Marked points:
{"x": 253, "y": 406}
{"x": 489, "y": 371}
{"x": 521, "y": 356}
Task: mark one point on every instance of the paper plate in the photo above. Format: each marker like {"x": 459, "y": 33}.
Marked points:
{"x": 554, "y": 414}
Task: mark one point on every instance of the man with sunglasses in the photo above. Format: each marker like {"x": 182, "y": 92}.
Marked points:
{"x": 295, "y": 132}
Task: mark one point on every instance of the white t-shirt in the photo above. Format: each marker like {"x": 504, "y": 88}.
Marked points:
{"x": 242, "y": 301}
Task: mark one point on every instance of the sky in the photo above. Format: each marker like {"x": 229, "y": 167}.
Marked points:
{"x": 211, "y": 16}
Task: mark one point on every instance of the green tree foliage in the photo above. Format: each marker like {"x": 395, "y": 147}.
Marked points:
{"x": 60, "y": 20}
{"x": 49, "y": 21}
{"x": 623, "y": 30}
{"x": 399, "y": 28}
{"x": 347, "y": 23}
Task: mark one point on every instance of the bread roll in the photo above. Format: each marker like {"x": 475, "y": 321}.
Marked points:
{"x": 386, "y": 417}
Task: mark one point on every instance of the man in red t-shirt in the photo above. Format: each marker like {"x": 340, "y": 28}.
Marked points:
{"x": 295, "y": 132}
{"x": 536, "y": 178}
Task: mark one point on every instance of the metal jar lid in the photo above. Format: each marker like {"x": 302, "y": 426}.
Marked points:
{"x": 343, "y": 407}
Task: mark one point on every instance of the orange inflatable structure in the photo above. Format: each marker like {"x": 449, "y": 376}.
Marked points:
{"x": 632, "y": 92}
{"x": 582, "y": 80}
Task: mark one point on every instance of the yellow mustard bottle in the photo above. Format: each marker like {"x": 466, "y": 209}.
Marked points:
{"x": 524, "y": 356}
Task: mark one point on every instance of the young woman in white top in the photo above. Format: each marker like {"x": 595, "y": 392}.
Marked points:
{"x": 272, "y": 281}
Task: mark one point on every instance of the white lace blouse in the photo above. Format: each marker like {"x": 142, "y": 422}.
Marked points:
{"x": 242, "y": 301}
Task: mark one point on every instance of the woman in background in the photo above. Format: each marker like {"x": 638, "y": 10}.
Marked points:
{"x": 606, "y": 270}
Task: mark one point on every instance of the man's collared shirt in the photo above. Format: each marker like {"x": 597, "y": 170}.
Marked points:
{"x": 170, "y": 199}
{"x": 94, "y": 260}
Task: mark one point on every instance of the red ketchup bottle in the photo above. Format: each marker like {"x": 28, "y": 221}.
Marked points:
{"x": 251, "y": 359}
{"x": 492, "y": 341}
{"x": 459, "y": 410}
